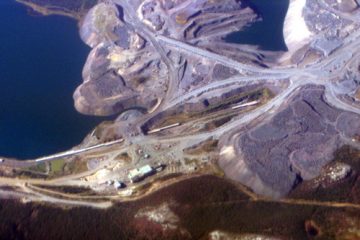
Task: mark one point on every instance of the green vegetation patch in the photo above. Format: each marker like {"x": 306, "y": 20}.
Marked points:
{"x": 57, "y": 166}
{"x": 61, "y": 167}
{"x": 39, "y": 168}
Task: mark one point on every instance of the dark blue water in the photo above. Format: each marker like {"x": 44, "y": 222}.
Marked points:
{"x": 41, "y": 59}
{"x": 268, "y": 33}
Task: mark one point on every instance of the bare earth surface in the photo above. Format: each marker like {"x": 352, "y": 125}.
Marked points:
{"x": 233, "y": 136}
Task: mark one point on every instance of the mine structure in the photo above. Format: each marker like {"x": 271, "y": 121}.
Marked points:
{"x": 139, "y": 174}
{"x": 252, "y": 103}
{"x": 163, "y": 128}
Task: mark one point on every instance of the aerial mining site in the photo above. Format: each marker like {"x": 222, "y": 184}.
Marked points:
{"x": 254, "y": 129}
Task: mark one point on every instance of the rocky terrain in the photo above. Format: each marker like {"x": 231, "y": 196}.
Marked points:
{"x": 126, "y": 69}
{"x": 292, "y": 146}
{"x": 282, "y": 127}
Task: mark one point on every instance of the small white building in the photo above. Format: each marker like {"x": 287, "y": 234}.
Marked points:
{"x": 118, "y": 184}
{"x": 2, "y": 160}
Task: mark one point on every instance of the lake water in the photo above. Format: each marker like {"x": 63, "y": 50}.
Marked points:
{"x": 41, "y": 60}
{"x": 268, "y": 33}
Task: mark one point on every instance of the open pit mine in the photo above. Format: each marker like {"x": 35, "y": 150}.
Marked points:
{"x": 281, "y": 127}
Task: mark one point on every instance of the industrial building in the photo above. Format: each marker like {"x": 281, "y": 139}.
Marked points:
{"x": 138, "y": 174}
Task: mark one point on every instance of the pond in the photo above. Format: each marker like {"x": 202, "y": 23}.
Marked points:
{"x": 268, "y": 33}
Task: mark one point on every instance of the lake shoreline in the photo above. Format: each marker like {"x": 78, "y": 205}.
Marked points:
{"x": 38, "y": 116}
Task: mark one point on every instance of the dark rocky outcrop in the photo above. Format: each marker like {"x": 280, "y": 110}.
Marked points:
{"x": 294, "y": 144}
